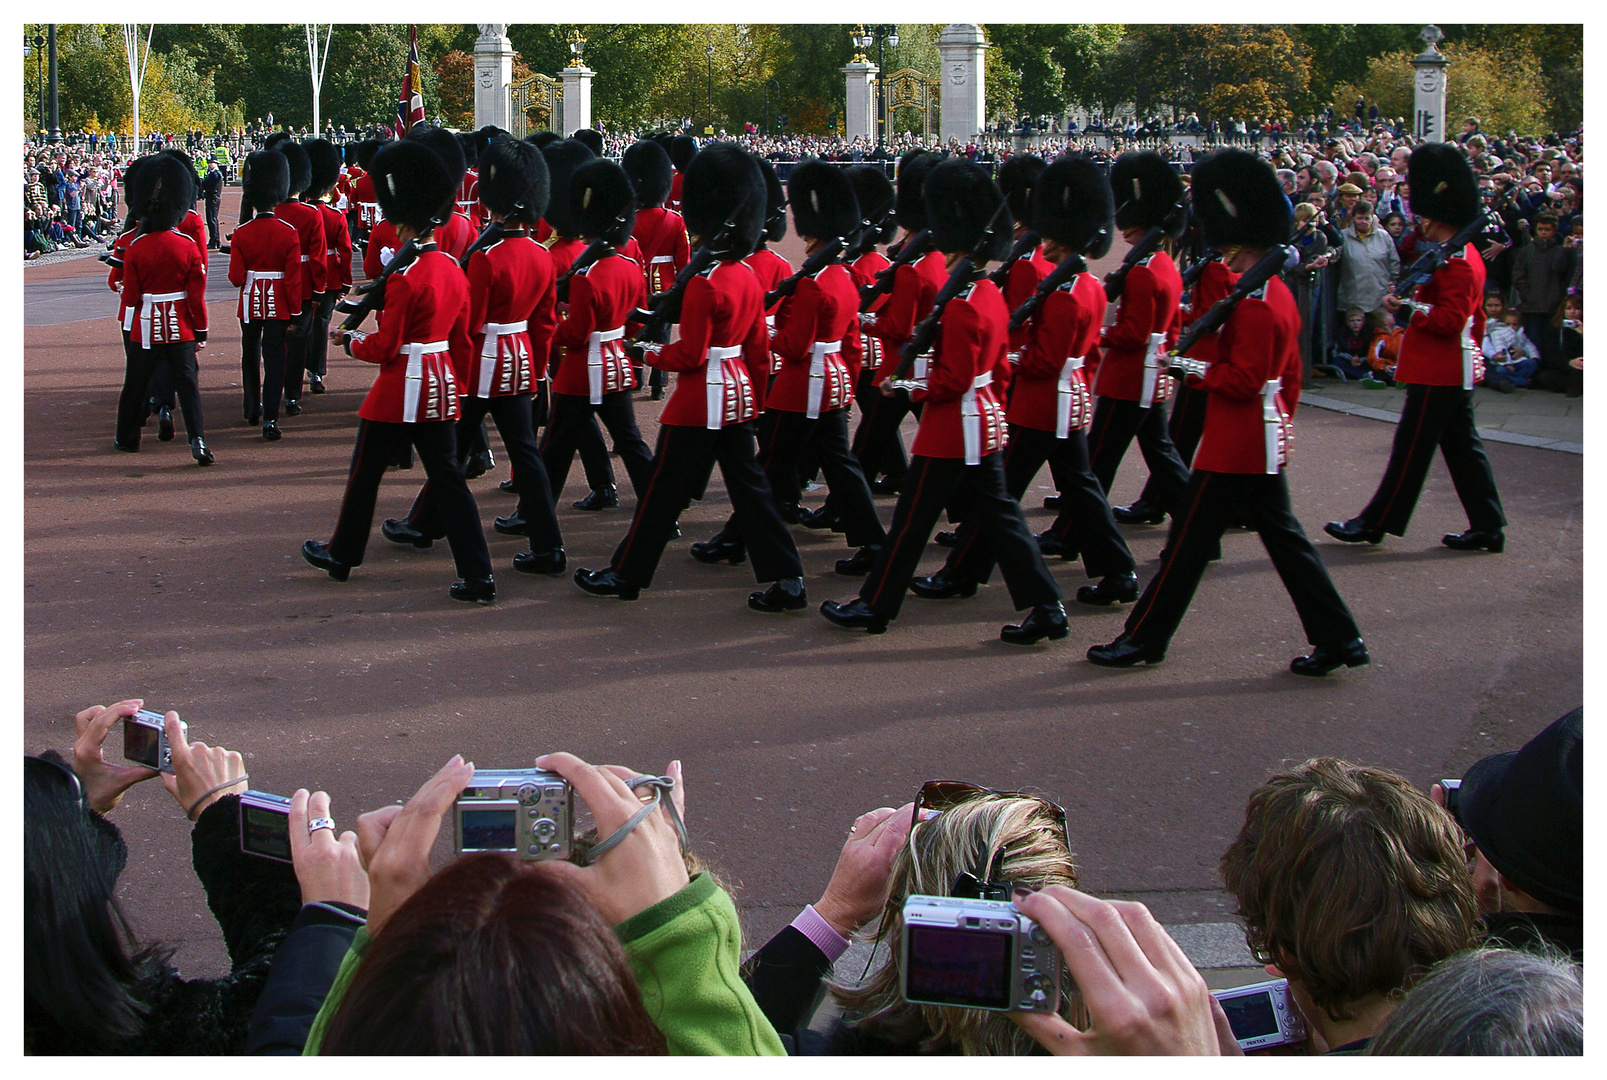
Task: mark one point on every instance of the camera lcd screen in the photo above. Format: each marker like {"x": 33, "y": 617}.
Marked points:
{"x": 1251, "y": 1016}
{"x": 267, "y": 833}
{"x": 141, "y": 744}
{"x": 489, "y": 830}
{"x": 959, "y": 967}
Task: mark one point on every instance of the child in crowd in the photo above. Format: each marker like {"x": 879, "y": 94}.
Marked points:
{"x": 1383, "y": 350}
{"x": 1570, "y": 320}
{"x": 1510, "y": 358}
{"x": 1348, "y": 354}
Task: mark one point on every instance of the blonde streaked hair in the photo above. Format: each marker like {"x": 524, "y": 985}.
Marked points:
{"x": 963, "y": 839}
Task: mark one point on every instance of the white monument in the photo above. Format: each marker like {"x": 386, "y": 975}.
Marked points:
{"x": 964, "y": 94}
{"x": 577, "y": 97}
{"x": 493, "y": 72}
{"x": 1428, "y": 82}
{"x": 859, "y": 119}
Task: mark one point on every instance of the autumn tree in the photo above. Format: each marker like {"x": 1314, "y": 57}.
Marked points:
{"x": 454, "y": 80}
{"x": 1504, "y": 87}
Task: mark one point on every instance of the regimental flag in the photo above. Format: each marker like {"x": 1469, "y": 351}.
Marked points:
{"x": 410, "y": 107}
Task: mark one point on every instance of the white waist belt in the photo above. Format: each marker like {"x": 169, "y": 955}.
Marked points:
{"x": 488, "y": 352}
{"x": 971, "y": 419}
{"x": 594, "y": 360}
{"x": 415, "y": 352}
{"x": 1152, "y": 369}
{"x": 770, "y": 321}
{"x": 248, "y": 292}
{"x": 714, "y": 384}
{"x": 817, "y": 373}
{"x": 1271, "y": 421}
{"x": 661, "y": 259}
{"x": 329, "y": 251}
{"x": 1468, "y": 349}
{"x": 1063, "y": 396}
{"x": 304, "y": 258}
{"x": 147, "y": 312}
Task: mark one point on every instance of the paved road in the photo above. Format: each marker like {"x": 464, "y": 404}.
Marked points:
{"x": 145, "y": 575}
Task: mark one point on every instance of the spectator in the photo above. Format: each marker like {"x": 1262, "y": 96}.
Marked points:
{"x": 1369, "y": 263}
{"x": 1489, "y": 1003}
{"x": 1570, "y": 322}
{"x": 1541, "y": 271}
{"x": 1384, "y": 351}
{"x": 1395, "y": 226}
{"x": 1385, "y": 200}
{"x": 1510, "y": 358}
{"x": 1351, "y": 883}
{"x": 1348, "y": 356}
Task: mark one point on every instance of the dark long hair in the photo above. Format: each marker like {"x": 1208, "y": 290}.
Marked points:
{"x": 81, "y": 964}
{"x": 494, "y": 956}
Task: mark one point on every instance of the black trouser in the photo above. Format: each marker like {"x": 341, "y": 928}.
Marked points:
{"x": 1537, "y": 326}
{"x": 878, "y": 443}
{"x": 378, "y": 444}
{"x": 930, "y": 484}
{"x": 1209, "y": 503}
{"x": 1435, "y": 417}
{"x": 140, "y": 363}
{"x": 571, "y": 415}
{"x": 1115, "y": 424}
{"x": 1084, "y": 521}
{"x": 512, "y": 416}
{"x": 298, "y": 347}
{"x": 262, "y": 366}
{"x": 318, "y": 343}
{"x": 1186, "y": 425}
{"x": 783, "y": 439}
{"x": 213, "y": 235}
{"x": 681, "y": 466}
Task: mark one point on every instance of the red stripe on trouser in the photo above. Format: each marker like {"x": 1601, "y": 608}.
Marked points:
{"x": 962, "y": 553}
{"x": 1176, "y": 546}
{"x": 1405, "y": 465}
{"x": 899, "y": 540}
{"x": 641, "y": 506}
{"x": 357, "y": 458}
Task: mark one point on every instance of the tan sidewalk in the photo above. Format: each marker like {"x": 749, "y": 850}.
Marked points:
{"x": 1537, "y": 418}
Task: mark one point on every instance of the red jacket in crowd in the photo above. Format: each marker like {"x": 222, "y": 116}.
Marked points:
{"x": 1051, "y": 379}
{"x": 426, "y": 307}
{"x": 510, "y": 282}
{"x": 1259, "y": 342}
{"x": 1149, "y": 305}
{"x": 823, "y": 313}
{"x": 971, "y": 348}
{"x": 723, "y": 307}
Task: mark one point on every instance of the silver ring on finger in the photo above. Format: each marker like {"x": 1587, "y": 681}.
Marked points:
{"x": 320, "y": 823}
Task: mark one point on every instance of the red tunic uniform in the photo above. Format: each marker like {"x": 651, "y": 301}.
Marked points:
{"x": 661, "y": 234}
{"x": 469, "y": 199}
{"x": 722, "y": 310}
{"x": 1051, "y": 379}
{"x": 114, "y": 276}
{"x": 164, "y": 289}
{"x": 422, "y": 343}
{"x": 915, "y": 286}
{"x": 600, "y": 298}
{"x": 962, "y": 418}
{"x": 674, "y": 201}
{"x": 193, "y": 227}
{"x": 1019, "y": 285}
{"x": 1213, "y": 284}
{"x": 265, "y": 265}
{"x": 455, "y": 235}
{"x": 510, "y": 283}
{"x": 337, "y": 249}
{"x": 367, "y": 202}
{"x": 865, "y": 268}
{"x": 1254, "y": 385}
{"x": 309, "y": 225}
{"x": 1441, "y": 345}
{"x": 817, "y": 347}
{"x": 1130, "y": 368}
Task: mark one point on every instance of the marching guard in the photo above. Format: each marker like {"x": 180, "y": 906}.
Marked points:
{"x": 309, "y": 224}
{"x": 325, "y": 160}
{"x": 660, "y": 232}
{"x": 265, "y": 265}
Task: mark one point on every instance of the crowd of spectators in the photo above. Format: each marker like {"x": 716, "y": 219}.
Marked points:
{"x": 1447, "y": 921}
{"x": 69, "y": 198}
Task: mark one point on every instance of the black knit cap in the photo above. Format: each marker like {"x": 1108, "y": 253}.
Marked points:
{"x": 822, "y": 200}
{"x": 1239, "y": 201}
{"x": 1526, "y": 811}
{"x": 723, "y": 183}
{"x": 1145, "y": 189}
{"x": 1071, "y": 205}
{"x": 412, "y": 185}
{"x": 648, "y": 166}
{"x": 601, "y": 200}
{"x": 913, "y": 168}
{"x": 513, "y": 180}
{"x": 875, "y": 194}
{"x": 264, "y": 179}
{"x": 563, "y": 157}
{"x": 961, "y": 199}
{"x": 1016, "y": 179}
{"x": 1442, "y": 185}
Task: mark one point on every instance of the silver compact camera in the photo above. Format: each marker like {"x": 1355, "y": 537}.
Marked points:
{"x": 145, "y": 740}
{"x": 1261, "y": 1014}
{"x": 526, "y": 812}
{"x": 265, "y": 825}
{"x": 977, "y": 954}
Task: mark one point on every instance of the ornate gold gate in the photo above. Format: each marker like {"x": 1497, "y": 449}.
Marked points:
{"x": 539, "y": 94}
{"x": 910, "y": 89}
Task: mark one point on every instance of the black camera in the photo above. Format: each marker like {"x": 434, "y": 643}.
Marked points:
{"x": 265, "y": 826}
{"x": 145, "y": 740}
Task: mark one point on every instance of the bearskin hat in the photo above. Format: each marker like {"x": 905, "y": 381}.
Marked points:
{"x": 513, "y": 179}
{"x": 413, "y": 185}
{"x": 601, "y": 199}
{"x": 775, "y": 201}
{"x": 1239, "y": 201}
{"x": 1442, "y": 184}
{"x": 682, "y": 149}
{"x": 543, "y": 139}
{"x": 1144, "y": 188}
{"x": 366, "y": 151}
{"x": 724, "y": 183}
{"x": 264, "y": 179}
{"x": 483, "y": 137}
{"x": 325, "y": 161}
{"x": 961, "y": 199}
{"x": 874, "y": 191}
{"x": 592, "y": 138}
{"x": 300, "y": 165}
{"x": 648, "y": 166}
{"x": 445, "y": 145}
{"x": 913, "y": 168}
{"x": 161, "y": 193}
{"x": 1071, "y": 205}
{"x": 664, "y": 138}
{"x": 471, "y": 153}
{"x": 1016, "y": 179}
{"x": 822, "y": 200}
{"x": 563, "y": 157}
{"x": 189, "y": 168}
{"x": 275, "y": 138}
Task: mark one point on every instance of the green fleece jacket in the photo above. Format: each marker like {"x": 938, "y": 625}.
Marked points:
{"x": 686, "y": 952}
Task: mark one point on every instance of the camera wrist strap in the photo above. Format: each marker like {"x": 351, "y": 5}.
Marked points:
{"x": 661, "y": 785}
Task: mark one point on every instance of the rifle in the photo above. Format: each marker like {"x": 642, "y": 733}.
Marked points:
{"x": 1023, "y": 247}
{"x": 371, "y": 297}
{"x": 813, "y": 265}
{"x": 864, "y": 238}
{"x": 1064, "y": 271}
{"x": 1208, "y": 256}
{"x": 489, "y": 235}
{"x": 1116, "y": 280}
{"x": 1436, "y": 255}
{"x": 1269, "y": 267}
{"x": 965, "y": 272}
{"x": 911, "y": 249}
{"x": 664, "y": 309}
{"x": 597, "y": 249}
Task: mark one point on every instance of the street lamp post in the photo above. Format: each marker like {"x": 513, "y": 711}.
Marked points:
{"x": 883, "y": 35}
{"x": 39, "y": 66}
{"x": 55, "y": 110}
{"x": 708, "y": 51}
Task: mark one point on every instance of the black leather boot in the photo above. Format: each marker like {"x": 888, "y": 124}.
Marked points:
{"x": 1111, "y": 589}
{"x": 854, "y": 615}
{"x": 317, "y": 554}
{"x": 1139, "y": 513}
{"x": 606, "y": 583}
{"x": 788, "y": 594}
{"x": 400, "y": 532}
{"x": 1125, "y": 652}
{"x": 860, "y": 562}
{"x": 1472, "y": 540}
{"x": 718, "y": 548}
{"x": 1043, "y": 621}
{"x": 481, "y": 590}
{"x": 551, "y": 563}
{"x": 1354, "y": 531}
{"x": 1323, "y": 660}
{"x": 601, "y": 499}
{"x": 940, "y": 586}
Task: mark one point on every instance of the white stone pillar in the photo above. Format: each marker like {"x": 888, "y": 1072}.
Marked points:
{"x": 1428, "y": 83}
{"x": 493, "y": 73}
{"x": 577, "y": 98}
{"x": 964, "y": 95}
{"x": 860, "y": 115}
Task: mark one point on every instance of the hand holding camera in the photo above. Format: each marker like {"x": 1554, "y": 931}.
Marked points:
{"x": 393, "y": 843}
{"x": 104, "y": 783}
{"x": 328, "y": 868}
{"x": 201, "y": 774}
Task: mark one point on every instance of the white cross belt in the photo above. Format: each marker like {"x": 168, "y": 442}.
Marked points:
{"x": 248, "y": 292}
{"x": 147, "y": 312}
{"x": 1152, "y": 369}
{"x": 1271, "y": 421}
{"x": 1064, "y": 396}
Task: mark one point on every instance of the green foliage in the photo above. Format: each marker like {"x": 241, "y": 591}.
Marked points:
{"x": 1502, "y": 86}
{"x": 1055, "y": 64}
{"x": 627, "y": 58}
